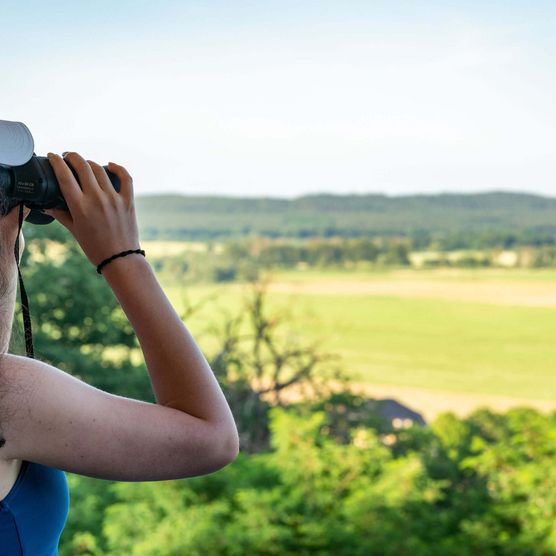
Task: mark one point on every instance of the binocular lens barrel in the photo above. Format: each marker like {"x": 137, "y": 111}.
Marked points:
{"x": 35, "y": 184}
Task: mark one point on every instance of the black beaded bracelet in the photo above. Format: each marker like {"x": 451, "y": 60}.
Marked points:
{"x": 122, "y": 254}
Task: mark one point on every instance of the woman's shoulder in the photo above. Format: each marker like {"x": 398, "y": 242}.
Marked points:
{"x": 54, "y": 419}
{"x": 16, "y": 384}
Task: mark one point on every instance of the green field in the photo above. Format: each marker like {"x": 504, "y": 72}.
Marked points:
{"x": 457, "y": 344}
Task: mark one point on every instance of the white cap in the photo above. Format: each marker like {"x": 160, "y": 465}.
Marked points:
{"x": 16, "y": 143}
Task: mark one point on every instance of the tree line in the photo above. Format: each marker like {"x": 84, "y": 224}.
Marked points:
{"x": 246, "y": 259}
{"x": 482, "y": 220}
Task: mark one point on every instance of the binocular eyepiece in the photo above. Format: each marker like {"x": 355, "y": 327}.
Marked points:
{"x": 35, "y": 184}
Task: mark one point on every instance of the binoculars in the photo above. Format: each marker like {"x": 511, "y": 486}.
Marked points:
{"x": 34, "y": 183}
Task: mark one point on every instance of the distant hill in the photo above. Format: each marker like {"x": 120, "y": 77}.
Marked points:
{"x": 196, "y": 217}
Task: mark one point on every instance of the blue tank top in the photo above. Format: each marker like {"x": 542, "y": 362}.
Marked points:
{"x": 34, "y": 512}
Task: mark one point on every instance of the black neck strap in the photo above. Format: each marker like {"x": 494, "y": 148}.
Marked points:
{"x": 23, "y": 294}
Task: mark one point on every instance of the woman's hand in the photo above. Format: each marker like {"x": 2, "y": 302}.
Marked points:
{"x": 102, "y": 220}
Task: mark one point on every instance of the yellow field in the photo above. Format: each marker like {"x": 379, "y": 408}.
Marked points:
{"x": 435, "y": 339}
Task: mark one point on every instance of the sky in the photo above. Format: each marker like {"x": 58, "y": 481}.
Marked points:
{"x": 284, "y": 98}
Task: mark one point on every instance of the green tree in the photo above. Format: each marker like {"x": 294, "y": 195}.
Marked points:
{"x": 78, "y": 324}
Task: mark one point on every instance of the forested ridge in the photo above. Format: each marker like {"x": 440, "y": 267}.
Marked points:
{"x": 206, "y": 217}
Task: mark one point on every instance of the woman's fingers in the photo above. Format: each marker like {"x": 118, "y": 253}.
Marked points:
{"x": 92, "y": 180}
{"x": 126, "y": 182}
{"x": 68, "y": 184}
{"x": 87, "y": 179}
{"x": 105, "y": 221}
{"x": 102, "y": 178}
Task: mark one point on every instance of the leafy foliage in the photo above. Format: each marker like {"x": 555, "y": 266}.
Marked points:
{"x": 481, "y": 485}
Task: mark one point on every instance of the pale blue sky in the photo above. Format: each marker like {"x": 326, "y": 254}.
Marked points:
{"x": 285, "y": 98}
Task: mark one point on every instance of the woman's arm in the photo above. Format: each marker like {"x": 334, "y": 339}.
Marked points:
{"x": 104, "y": 223}
{"x": 180, "y": 375}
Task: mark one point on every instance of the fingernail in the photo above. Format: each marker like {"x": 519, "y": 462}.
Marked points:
{"x": 50, "y": 155}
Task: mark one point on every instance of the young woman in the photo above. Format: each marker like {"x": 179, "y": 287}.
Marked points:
{"x": 51, "y": 422}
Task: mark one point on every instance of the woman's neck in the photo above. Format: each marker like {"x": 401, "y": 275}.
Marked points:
{"x": 7, "y": 308}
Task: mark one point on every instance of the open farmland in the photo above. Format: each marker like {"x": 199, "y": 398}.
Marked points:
{"x": 435, "y": 340}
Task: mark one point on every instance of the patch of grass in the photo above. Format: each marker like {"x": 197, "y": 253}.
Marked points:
{"x": 431, "y": 343}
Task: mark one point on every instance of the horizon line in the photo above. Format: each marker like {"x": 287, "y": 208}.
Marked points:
{"x": 353, "y": 194}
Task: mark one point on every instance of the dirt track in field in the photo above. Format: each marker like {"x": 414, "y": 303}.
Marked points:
{"x": 501, "y": 292}
{"x": 429, "y": 403}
